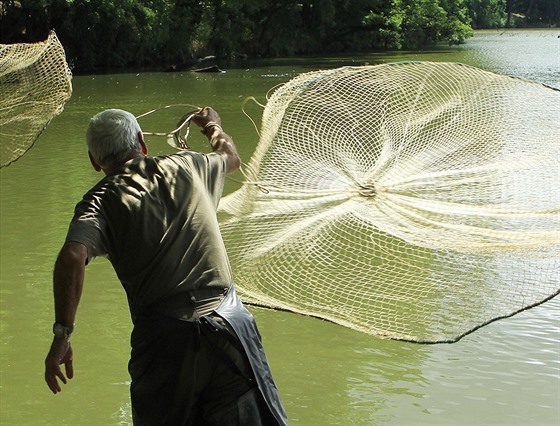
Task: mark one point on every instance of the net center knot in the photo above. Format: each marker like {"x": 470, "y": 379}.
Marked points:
{"x": 367, "y": 190}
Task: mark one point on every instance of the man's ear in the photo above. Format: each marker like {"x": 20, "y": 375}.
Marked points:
{"x": 96, "y": 166}
{"x": 142, "y": 143}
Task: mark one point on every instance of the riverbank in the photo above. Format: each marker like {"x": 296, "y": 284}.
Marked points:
{"x": 319, "y": 61}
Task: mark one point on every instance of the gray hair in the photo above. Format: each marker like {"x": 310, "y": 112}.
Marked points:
{"x": 112, "y": 135}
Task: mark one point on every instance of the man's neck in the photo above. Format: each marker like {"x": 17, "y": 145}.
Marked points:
{"x": 117, "y": 168}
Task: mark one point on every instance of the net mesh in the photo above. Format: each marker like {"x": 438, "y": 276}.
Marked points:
{"x": 35, "y": 82}
{"x": 413, "y": 201}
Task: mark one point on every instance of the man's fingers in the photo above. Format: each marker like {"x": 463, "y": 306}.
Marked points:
{"x": 52, "y": 382}
{"x": 204, "y": 115}
{"x": 54, "y": 387}
{"x": 61, "y": 376}
{"x": 69, "y": 367}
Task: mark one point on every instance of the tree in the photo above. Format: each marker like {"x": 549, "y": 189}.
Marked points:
{"x": 23, "y": 21}
{"x": 456, "y": 27}
{"x": 487, "y": 13}
{"x": 417, "y": 23}
{"x": 110, "y": 34}
{"x": 542, "y": 12}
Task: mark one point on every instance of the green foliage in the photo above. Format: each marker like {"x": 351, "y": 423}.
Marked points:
{"x": 412, "y": 24}
{"x": 487, "y": 13}
{"x": 541, "y": 12}
{"x": 108, "y": 34}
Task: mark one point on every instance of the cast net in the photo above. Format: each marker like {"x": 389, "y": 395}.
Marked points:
{"x": 414, "y": 201}
{"x": 35, "y": 83}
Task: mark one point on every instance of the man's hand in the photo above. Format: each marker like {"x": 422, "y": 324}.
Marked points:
{"x": 210, "y": 121}
{"x": 60, "y": 353}
{"x": 205, "y": 116}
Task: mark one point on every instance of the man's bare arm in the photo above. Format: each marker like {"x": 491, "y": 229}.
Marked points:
{"x": 68, "y": 282}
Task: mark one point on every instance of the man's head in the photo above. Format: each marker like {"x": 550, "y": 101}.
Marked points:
{"x": 113, "y": 137}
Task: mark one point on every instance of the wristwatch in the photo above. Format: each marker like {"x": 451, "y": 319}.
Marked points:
{"x": 61, "y": 330}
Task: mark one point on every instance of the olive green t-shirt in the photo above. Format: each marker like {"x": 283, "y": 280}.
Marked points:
{"x": 155, "y": 220}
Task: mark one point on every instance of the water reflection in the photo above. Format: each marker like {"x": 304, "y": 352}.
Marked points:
{"x": 392, "y": 373}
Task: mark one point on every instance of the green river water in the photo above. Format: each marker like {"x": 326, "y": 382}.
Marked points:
{"x": 507, "y": 373}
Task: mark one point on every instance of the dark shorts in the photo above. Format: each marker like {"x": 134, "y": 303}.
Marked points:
{"x": 192, "y": 373}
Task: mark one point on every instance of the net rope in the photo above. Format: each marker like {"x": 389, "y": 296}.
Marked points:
{"x": 412, "y": 201}
{"x": 35, "y": 83}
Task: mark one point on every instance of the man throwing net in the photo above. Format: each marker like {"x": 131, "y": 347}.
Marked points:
{"x": 196, "y": 355}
